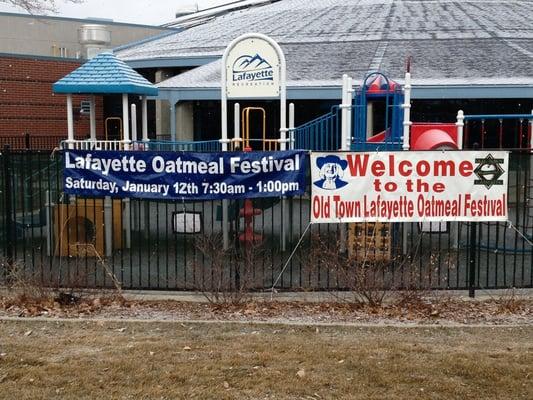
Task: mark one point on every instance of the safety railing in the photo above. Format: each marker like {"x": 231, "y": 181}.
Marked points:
{"x": 320, "y": 134}
{"x": 109, "y": 145}
{"x": 324, "y": 133}
{"x": 163, "y": 145}
{"x": 168, "y": 145}
{"x": 502, "y": 131}
{"x": 239, "y": 144}
{"x": 28, "y": 141}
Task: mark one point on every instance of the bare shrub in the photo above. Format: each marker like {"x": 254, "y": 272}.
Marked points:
{"x": 77, "y": 291}
{"x": 25, "y": 287}
{"x": 89, "y": 250}
{"x": 29, "y": 296}
{"x": 371, "y": 285}
{"x": 415, "y": 287}
{"x": 225, "y": 277}
{"x": 367, "y": 281}
{"x": 511, "y": 301}
{"x": 368, "y": 277}
{"x": 28, "y": 289}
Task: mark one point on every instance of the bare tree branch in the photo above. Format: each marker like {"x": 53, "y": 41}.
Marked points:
{"x": 37, "y": 6}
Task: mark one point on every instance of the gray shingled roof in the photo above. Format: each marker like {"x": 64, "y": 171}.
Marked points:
{"x": 464, "y": 41}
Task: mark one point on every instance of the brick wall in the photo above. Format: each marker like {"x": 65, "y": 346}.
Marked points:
{"x": 27, "y": 104}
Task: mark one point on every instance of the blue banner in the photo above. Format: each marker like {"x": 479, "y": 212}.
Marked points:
{"x": 184, "y": 175}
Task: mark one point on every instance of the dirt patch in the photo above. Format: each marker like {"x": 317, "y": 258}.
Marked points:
{"x": 426, "y": 311}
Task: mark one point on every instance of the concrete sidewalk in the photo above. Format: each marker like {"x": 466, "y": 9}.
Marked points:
{"x": 314, "y": 297}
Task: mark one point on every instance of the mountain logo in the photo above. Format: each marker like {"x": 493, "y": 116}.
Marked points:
{"x": 489, "y": 171}
{"x": 252, "y": 68}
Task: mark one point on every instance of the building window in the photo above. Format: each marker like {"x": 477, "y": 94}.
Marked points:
{"x": 58, "y": 51}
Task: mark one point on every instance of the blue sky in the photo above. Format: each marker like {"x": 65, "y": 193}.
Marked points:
{"x": 153, "y": 12}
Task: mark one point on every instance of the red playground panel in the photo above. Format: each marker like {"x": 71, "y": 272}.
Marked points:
{"x": 433, "y": 136}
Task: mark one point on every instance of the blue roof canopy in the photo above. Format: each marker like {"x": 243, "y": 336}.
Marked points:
{"x": 103, "y": 74}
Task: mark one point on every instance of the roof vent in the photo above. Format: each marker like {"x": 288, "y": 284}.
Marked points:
{"x": 187, "y": 9}
{"x": 94, "y": 39}
{"x": 94, "y": 34}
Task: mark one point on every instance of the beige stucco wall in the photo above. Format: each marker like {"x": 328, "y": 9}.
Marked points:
{"x": 37, "y": 36}
{"x": 184, "y": 121}
{"x": 162, "y": 109}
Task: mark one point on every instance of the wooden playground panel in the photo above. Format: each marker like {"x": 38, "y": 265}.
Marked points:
{"x": 370, "y": 241}
{"x": 79, "y": 227}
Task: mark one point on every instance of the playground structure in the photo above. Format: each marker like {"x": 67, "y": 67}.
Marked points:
{"x": 103, "y": 222}
{"x": 372, "y": 117}
{"x": 352, "y": 124}
{"x": 357, "y": 128}
{"x": 375, "y": 116}
{"x": 79, "y": 228}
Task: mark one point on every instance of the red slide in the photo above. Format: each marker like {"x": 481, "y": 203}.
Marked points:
{"x": 433, "y": 136}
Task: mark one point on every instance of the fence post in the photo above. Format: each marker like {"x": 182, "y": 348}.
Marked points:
{"x": 8, "y": 192}
{"x": 27, "y": 143}
{"x": 472, "y": 260}
{"x": 531, "y": 133}
{"x": 460, "y": 128}
{"x": 108, "y": 226}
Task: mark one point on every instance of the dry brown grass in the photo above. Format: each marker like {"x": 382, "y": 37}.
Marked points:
{"x": 110, "y": 360}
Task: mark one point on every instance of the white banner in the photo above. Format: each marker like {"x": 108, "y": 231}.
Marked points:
{"x": 252, "y": 70}
{"x": 409, "y": 186}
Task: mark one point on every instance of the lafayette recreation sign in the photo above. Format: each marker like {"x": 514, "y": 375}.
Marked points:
{"x": 184, "y": 175}
{"x": 253, "y": 68}
{"x": 409, "y": 186}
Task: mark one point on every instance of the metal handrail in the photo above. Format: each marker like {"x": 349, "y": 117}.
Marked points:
{"x": 322, "y": 133}
{"x": 333, "y": 110}
{"x": 498, "y": 116}
{"x": 246, "y": 124}
{"x": 93, "y": 144}
{"x": 170, "y": 145}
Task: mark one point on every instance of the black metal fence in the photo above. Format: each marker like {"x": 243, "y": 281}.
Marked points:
{"x": 28, "y": 141}
{"x": 60, "y": 240}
